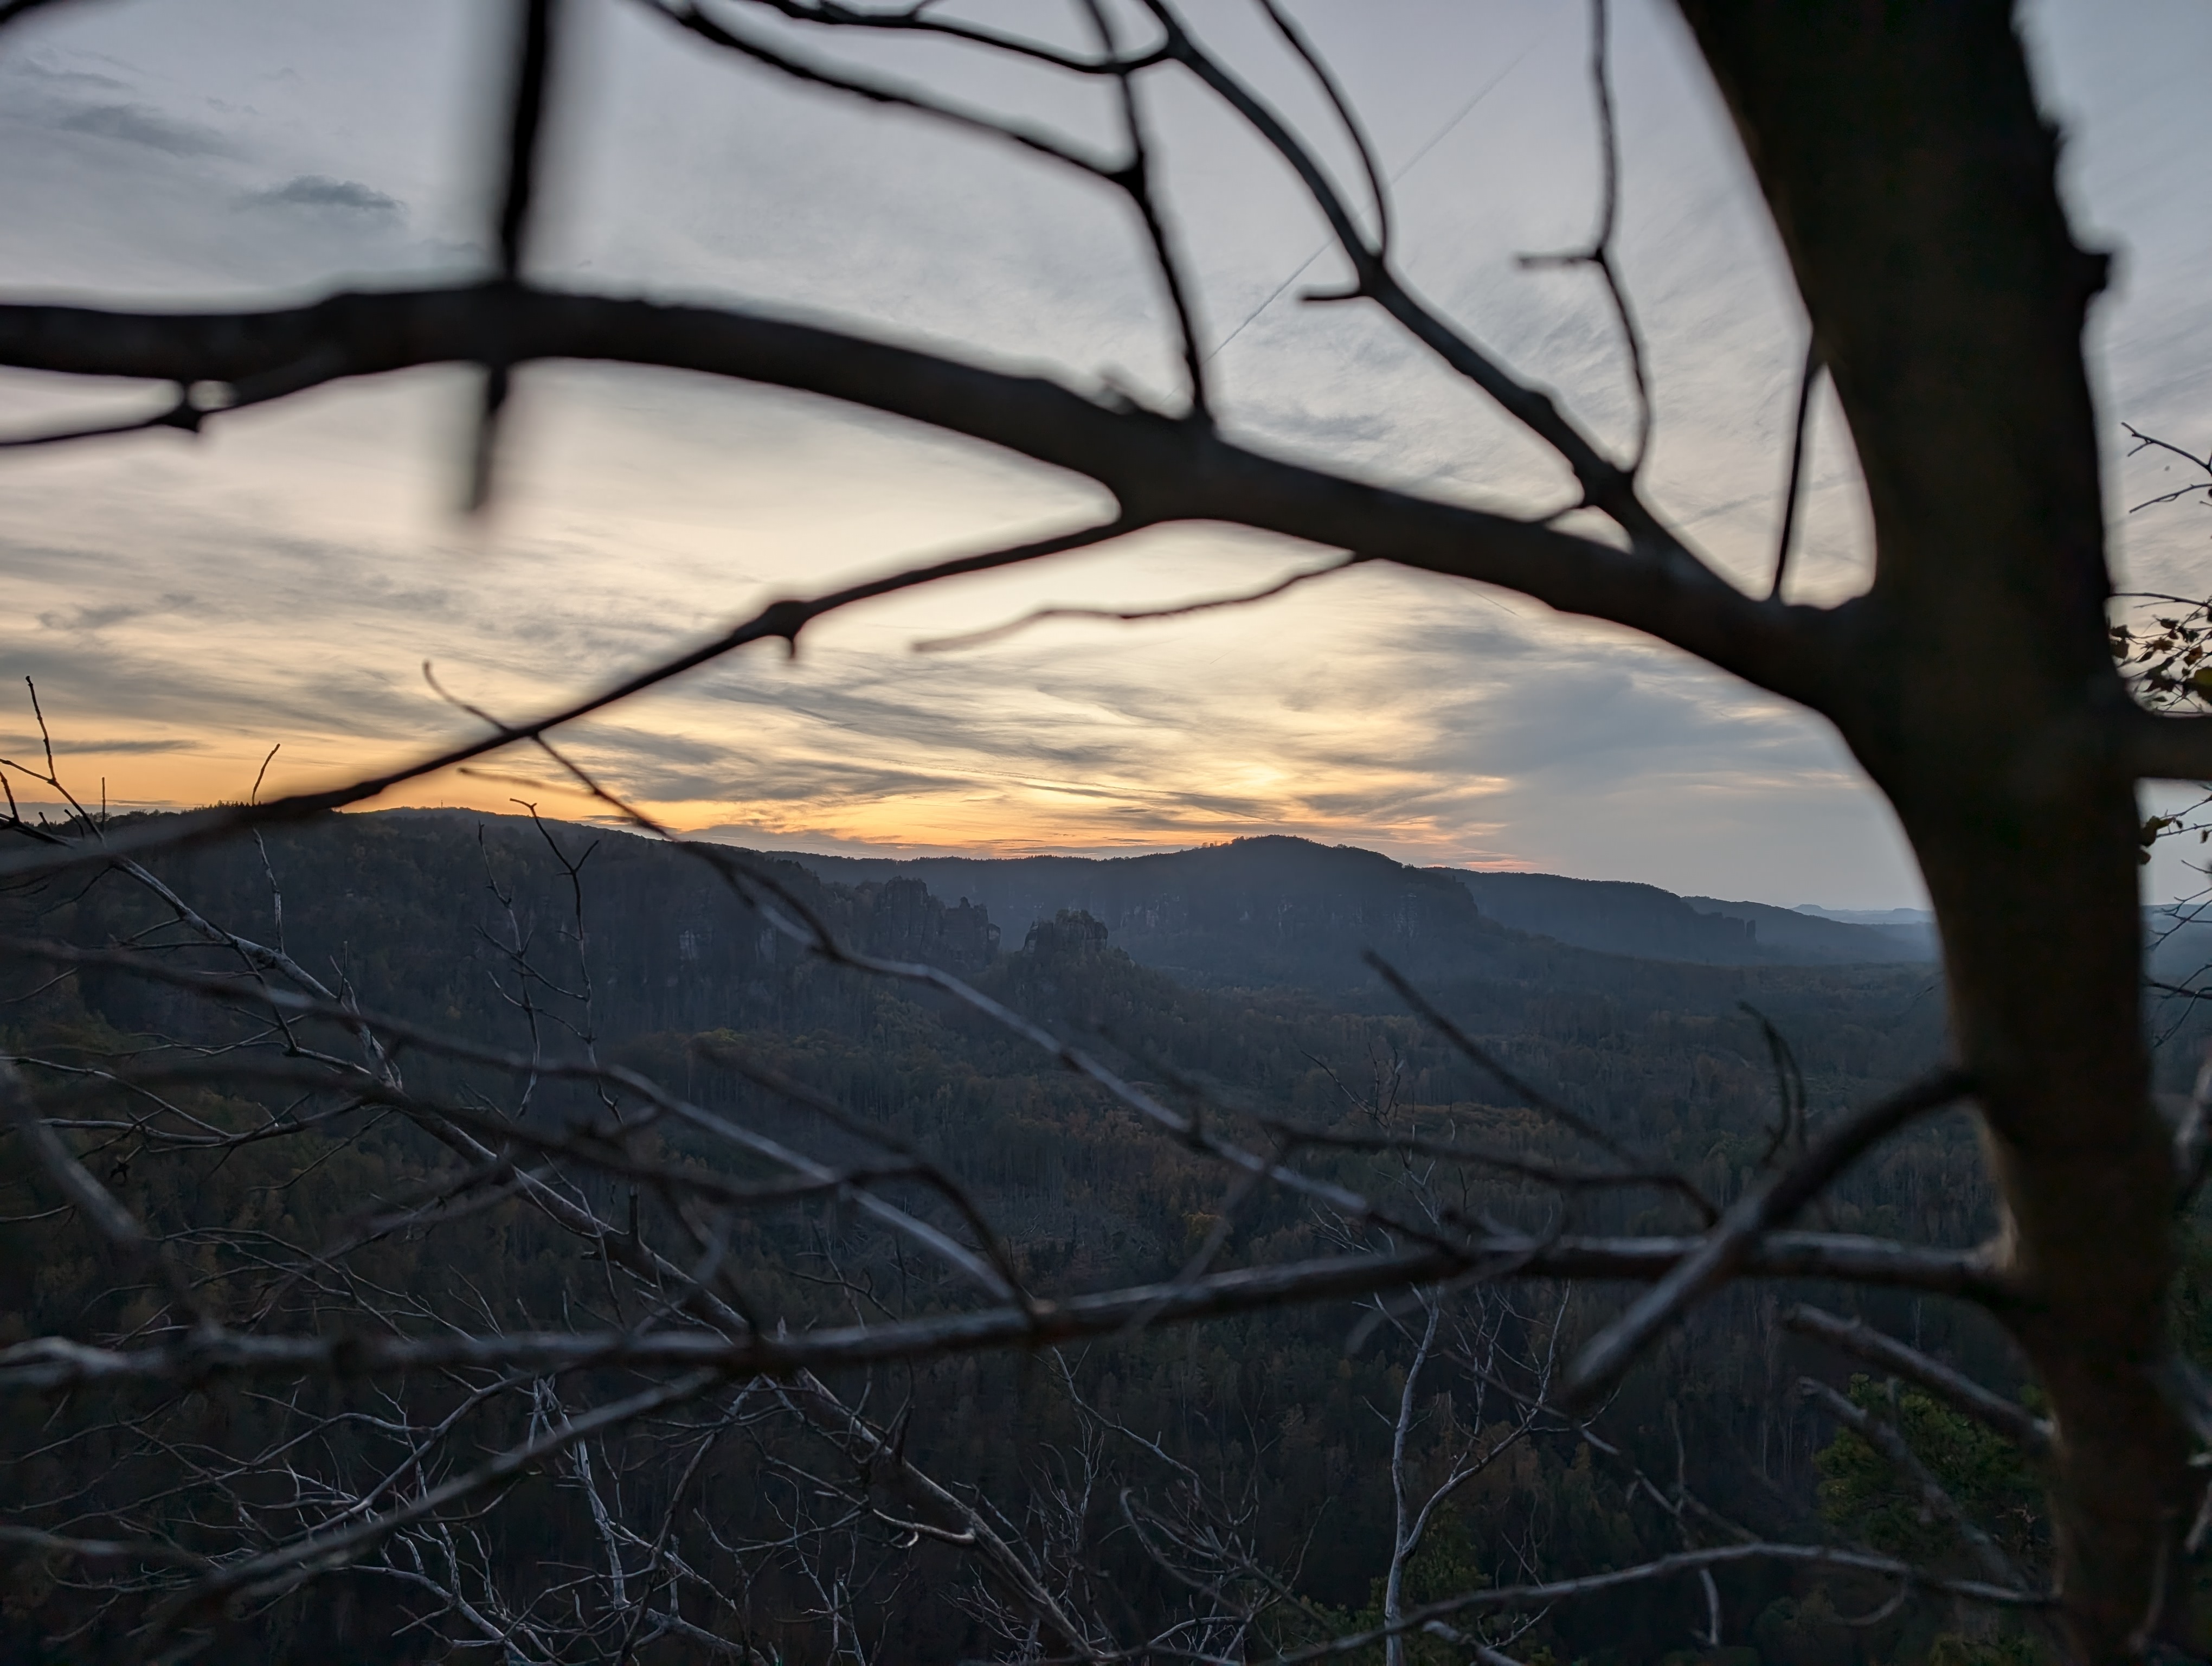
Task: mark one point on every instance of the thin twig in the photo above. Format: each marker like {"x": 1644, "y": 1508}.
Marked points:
{"x": 1134, "y": 615}
{"x": 1793, "y": 488}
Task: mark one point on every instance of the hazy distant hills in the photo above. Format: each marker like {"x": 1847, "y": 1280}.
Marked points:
{"x": 1620, "y": 917}
{"x": 1259, "y": 912}
{"x": 417, "y": 905}
{"x": 1288, "y": 910}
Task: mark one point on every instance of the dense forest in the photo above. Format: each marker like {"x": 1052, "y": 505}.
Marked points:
{"x": 1120, "y": 1466}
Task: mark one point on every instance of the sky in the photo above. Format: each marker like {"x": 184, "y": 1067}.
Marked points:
{"x": 185, "y": 604}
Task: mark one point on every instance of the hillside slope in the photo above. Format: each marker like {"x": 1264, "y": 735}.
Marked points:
{"x": 1283, "y": 910}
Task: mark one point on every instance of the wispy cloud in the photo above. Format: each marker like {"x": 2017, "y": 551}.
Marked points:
{"x": 186, "y": 604}
{"x": 320, "y": 191}
{"x": 140, "y": 125}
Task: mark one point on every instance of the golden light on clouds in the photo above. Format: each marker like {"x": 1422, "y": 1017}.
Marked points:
{"x": 184, "y": 605}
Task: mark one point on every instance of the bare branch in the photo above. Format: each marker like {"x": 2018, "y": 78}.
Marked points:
{"x": 1770, "y": 1204}
{"x": 1134, "y": 176}
{"x": 920, "y": 19}
{"x": 1132, "y": 614}
{"x": 48, "y": 1363}
{"x": 533, "y": 60}
{"x": 2015, "y": 1422}
{"x": 1396, "y": 173}
{"x": 1793, "y": 488}
{"x": 1159, "y": 467}
{"x": 1538, "y": 1168}
{"x": 1599, "y": 254}
{"x": 1354, "y": 129}
{"x": 1884, "y": 1437}
{"x": 1604, "y": 483}
{"x": 2150, "y": 442}
{"x": 876, "y": 1451}
{"x": 279, "y": 1571}
{"x": 1665, "y": 1567}
{"x": 764, "y": 53}
{"x": 527, "y": 115}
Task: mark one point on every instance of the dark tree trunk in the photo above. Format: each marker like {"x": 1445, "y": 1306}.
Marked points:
{"x": 1912, "y": 180}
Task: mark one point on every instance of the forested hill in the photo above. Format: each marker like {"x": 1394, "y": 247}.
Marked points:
{"x": 472, "y": 925}
{"x": 522, "y": 938}
{"x": 1282, "y": 910}
{"x": 421, "y": 907}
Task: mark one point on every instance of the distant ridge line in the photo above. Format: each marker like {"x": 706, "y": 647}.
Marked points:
{"x": 1146, "y": 899}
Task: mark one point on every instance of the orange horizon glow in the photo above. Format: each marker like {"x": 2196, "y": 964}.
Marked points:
{"x": 1014, "y": 818}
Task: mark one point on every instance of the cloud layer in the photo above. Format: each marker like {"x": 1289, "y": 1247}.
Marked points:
{"x": 184, "y": 605}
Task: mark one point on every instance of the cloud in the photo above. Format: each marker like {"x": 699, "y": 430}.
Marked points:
{"x": 142, "y": 124}
{"x": 89, "y": 618}
{"x": 320, "y": 191}
{"x": 641, "y": 510}
{"x": 35, "y": 68}
{"x": 30, "y": 745}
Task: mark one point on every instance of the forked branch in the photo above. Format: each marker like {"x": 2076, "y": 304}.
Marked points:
{"x": 1857, "y": 1337}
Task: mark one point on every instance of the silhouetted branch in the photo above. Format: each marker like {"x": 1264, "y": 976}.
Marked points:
{"x": 62, "y": 1546}
{"x": 518, "y": 190}
{"x": 1599, "y": 254}
{"x": 1604, "y": 484}
{"x": 1159, "y": 467}
{"x": 1793, "y": 488}
{"x": 1563, "y": 1176}
{"x": 875, "y": 1453}
{"x": 1346, "y": 117}
{"x": 922, "y": 20}
{"x": 1134, "y": 615}
{"x": 2147, "y": 442}
{"x": 1763, "y": 1206}
{"x": 1134, "y": 176}
{"x": 812, "y": 1178}
{"x": 759, "y": 50}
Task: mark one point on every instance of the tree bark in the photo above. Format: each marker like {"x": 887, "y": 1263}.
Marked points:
{"x": 1912, "y": 180}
